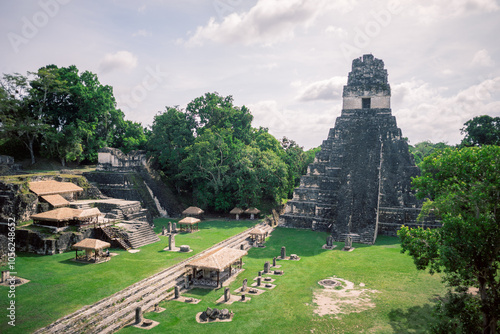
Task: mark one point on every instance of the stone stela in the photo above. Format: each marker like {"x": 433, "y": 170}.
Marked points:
{"x": 360, "y": 181}
{"x": 171, "y": 242}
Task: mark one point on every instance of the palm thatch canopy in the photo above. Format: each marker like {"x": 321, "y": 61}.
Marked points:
{"x": 91, "y": 244}
{"x": 252, "y": 211}
{"x": 218, "y": 259}
{"x": 236, "y": 211}
{"x": 52, "y": 187}
{"x": 189, "y": 221}
{"x": 57, "y": 215}
{"x": 257, "y": 231}
{"x": 193, "y": 210}
{"x": 88, "y": 213}
{"x": 56, "y": 201}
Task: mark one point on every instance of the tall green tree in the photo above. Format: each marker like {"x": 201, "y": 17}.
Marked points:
{"x": 213, "y": 111}
{"x": 297, "y": 161}
{"x": 207, "y": 165}
{"x": 171, "y": 135}
{"x": 68, "y": 99}
{"x": 129, "y": 136}
{"x": 17, "y": 116}
{"x": 463, "y": 189}
{"x": 481, "y": 130}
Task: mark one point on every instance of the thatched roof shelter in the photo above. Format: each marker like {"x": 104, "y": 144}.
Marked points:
{"x": 189, "y": 224}
{"x": 89, "y": 245}
{"x": 218, "y": 259}
{"x": 66, "y": 215}
{"x": 189, "y": 220}
{"x": 192, "y": 211}
{"x": 52, "y": 187}
{"x": 88, "y": 213}
{"x": 252, "y": 211}
{"x": 258, "y": 235}
{"x": 236, "y": 211}
{"x": 257, "y": 231}
{"x": 57, "y": 215}
{"x": 222, "y": 260}
{"x": 56, "y": 200}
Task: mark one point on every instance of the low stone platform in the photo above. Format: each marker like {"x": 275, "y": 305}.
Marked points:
{"x": 147, "y": 324}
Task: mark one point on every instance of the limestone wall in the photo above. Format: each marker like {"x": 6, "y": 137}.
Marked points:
{"x": 112, "y": 159}
{"x": 46, "y": 244}
{"x": 356, "y": 102}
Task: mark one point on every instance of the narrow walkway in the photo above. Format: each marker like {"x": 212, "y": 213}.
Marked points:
{"x": 116, "y": 311}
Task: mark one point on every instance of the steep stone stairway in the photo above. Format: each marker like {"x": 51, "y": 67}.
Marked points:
{"x": 116, "y": 311}
{"x": 142, "y": 234}
{"x": 109, "y": 234}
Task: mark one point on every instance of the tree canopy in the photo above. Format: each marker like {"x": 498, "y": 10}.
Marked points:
{"x": 69, "y": 114}
{"x": 212, "y": 150}
{"x": 423, "y": 149}
{"x": 463, "y": 189}
{"x": 481, "y": 130}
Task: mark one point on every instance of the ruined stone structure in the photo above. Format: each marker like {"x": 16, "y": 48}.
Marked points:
{"x": 7, "y": 165}
{"x": 360, "y": 181}
{"x": 112, "y": 159}
{"x": 128, "y": 176}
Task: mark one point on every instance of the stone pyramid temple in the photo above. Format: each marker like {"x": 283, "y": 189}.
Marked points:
{"x": 360, "y": 182}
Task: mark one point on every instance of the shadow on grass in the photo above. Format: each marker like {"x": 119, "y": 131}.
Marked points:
{"x": 73, "y": 262}
{"x": 416, "y": 319}
{"x": 198, "y": 292}
{"x": 385, "y": 240}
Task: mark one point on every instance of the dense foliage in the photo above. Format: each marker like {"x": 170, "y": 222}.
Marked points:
{"x": 423, "y": 149}
{"x": 481, "y": 130}
{"x": 463, "y": 189}
{"x": 212, "y": 150}
{"x": 63, "y": 114}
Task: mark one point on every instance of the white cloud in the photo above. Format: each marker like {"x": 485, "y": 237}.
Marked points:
{"x": 338, "y": 31}
{"x": 142, "y": 33}
{"x": 482, "y": 58}
{"x": 268, "y": 22}
{"x": 329, "y": 89}
{"x": 307, "y": 127}
{"x": 430, "y": 10}
{"x": 121, "y": 60}
{"x": 423, "y": 113}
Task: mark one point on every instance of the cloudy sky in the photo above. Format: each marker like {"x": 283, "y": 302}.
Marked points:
{"x": 287, "y": 60}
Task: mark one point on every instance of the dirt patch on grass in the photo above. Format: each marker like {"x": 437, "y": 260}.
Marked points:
{"x": 339, "y": 296}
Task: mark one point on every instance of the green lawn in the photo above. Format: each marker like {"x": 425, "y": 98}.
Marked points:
{"x": 59, "y": 286}
{"x": 402, "y": 305}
